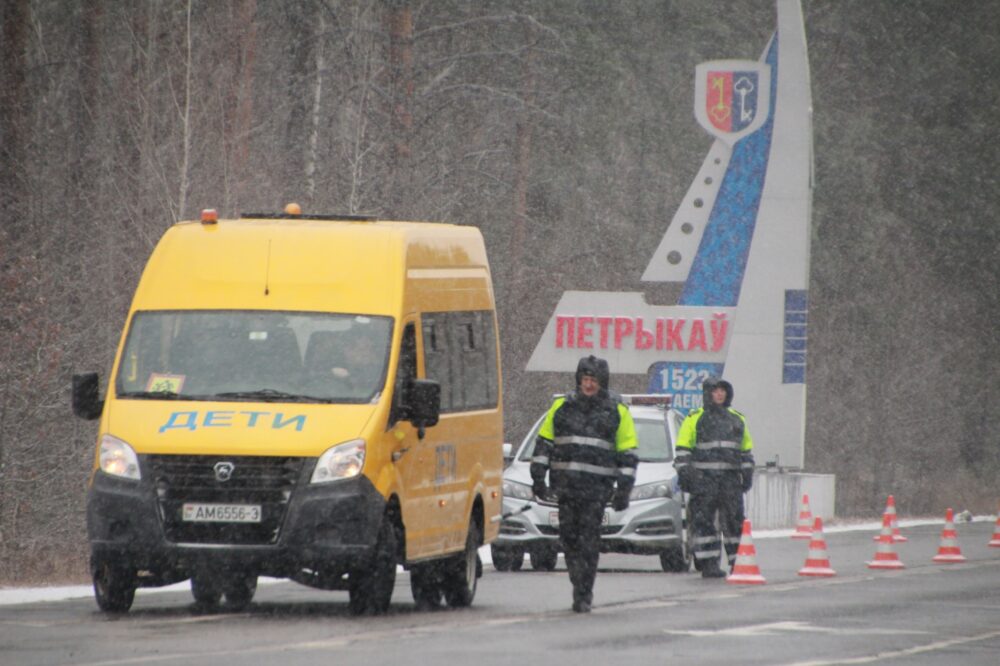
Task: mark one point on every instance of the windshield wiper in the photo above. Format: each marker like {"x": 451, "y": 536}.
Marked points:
{"x": 270, "y": 395}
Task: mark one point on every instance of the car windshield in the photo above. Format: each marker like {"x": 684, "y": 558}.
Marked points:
{"x": 250, "y": 355}
{"x": 654, "y": 442}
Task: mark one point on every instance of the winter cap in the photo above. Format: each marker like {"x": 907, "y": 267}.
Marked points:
{"x": 713, "y": 383}
{"x": 594, "y": 367}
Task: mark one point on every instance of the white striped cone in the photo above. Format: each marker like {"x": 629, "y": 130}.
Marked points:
{"x": 890, "y": 508}
{"x": 948, "y": 551}
{"x": 745, "y": 570}
{"x": 817, "y": 562}
{"x": 803, "y": 528}
{"x": 995, "y": 541}
{"x": 885, "y": 555}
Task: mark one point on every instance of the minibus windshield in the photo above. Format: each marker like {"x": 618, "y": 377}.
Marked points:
{"x": 254, "y": 356}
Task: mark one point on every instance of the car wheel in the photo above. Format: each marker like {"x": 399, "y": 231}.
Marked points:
{"x": 503, "y": 558}
{"x": 114, "y": 586}
{"x": 206, "y": 590}
{"x": 517, "y": 560}
{"x": 674, "y": 560}
{"x": 425, "y": 584}
{"x": 370, "y": 587}
{"x": 239, "y": 591}
{"x": 544, "y": 559}
{"x": 460, "y": 577}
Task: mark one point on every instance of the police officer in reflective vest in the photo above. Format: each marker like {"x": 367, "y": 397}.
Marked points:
{"x": 714, "y": 463}
{"x": 586, "y": 445}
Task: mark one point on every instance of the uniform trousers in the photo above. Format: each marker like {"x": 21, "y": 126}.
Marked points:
{"x": 720, "y": 493}
{"x": 580, "y": 534}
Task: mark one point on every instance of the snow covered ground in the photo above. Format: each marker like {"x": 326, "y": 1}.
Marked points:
{"x": 25, "y": 595}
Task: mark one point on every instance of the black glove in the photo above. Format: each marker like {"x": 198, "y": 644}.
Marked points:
{"x": 747, "y": 480}
{"x": 540, "y": 489}
{"x": 620, "y": 500}
{"x": 685, "y": 478}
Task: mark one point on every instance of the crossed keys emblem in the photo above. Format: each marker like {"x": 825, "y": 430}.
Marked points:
{"x": 742, "y": 89}
{"x": 732, "y": 97}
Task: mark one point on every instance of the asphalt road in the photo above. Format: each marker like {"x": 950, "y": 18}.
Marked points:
{"x": 926, "y": 613}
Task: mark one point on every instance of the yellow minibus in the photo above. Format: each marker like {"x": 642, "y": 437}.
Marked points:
{"x": 308, "y": 397}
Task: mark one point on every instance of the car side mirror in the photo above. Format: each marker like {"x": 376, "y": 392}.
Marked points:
{"x": 86, "y": 396}
{"x": 508, "y": 454}
{"x": 424, "y": 404}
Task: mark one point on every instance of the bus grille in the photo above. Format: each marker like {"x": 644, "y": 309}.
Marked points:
{"x": 255, "y": 480}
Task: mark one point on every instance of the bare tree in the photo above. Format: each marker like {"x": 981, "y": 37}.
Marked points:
{"x": 399, "y": 25}
{"x": 562, "y": 130}
{"x": 13, "y": 115}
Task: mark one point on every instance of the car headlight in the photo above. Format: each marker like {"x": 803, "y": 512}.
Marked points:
{"x": 515, "y": 490}
{"x": 651, "y": 491}
{"x": 118, "y": 458}
{"x": 342, "y": 461}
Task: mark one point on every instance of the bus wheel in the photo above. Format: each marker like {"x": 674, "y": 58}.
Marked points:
{"x": 425, "y": 584}
{"x": 114, "y": 586}
{"x": 371, "y": 585}
{"x": 206, "y": 590}
{"x": 239, "y": 591}
{"x": 460, "y": 572}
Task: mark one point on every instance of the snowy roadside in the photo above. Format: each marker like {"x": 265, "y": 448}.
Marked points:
{"x": 10, "y": 596}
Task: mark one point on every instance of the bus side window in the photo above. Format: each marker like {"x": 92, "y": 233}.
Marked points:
{"x": 406, "y": 372}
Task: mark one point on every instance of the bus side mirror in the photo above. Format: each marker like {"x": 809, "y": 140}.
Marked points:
{"x": 86, "y": 399}
{"x": 424, "y": 404}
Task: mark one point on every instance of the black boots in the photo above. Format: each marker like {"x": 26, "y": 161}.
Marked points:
{"x": 582, "y": 601}
{"x": 711, "y": 569}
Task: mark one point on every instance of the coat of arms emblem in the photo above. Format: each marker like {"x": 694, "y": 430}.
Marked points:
{"x": 732, "y": 97}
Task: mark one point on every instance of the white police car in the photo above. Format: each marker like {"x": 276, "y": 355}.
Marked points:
{"x": 653, "y": 524}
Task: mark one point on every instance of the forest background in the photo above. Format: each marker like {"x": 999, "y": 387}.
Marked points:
{"x": 564, "y": 130}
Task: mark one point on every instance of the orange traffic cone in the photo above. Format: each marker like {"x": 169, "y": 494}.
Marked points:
{"x": 745, "y": 568}
{"x": 995, "y": 541}
{"x": 890, "y": 508}
{"x": 885, "y": 556}
{"x": 803, "y": 528}
{"x": 817, "y": 562}
{"x": 948, "y": 551}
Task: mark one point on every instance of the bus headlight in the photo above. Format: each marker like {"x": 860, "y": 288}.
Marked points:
{"x": 118, "y": 458}
{"x": 342, "y": 461}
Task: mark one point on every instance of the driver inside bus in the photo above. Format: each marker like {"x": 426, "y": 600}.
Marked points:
{"x": 351, "y": 359}
{"x": 362, "y": 362}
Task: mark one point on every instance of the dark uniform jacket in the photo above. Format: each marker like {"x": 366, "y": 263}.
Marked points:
{"x": 714, "y": 441}
{"x": 586, "y": 445}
